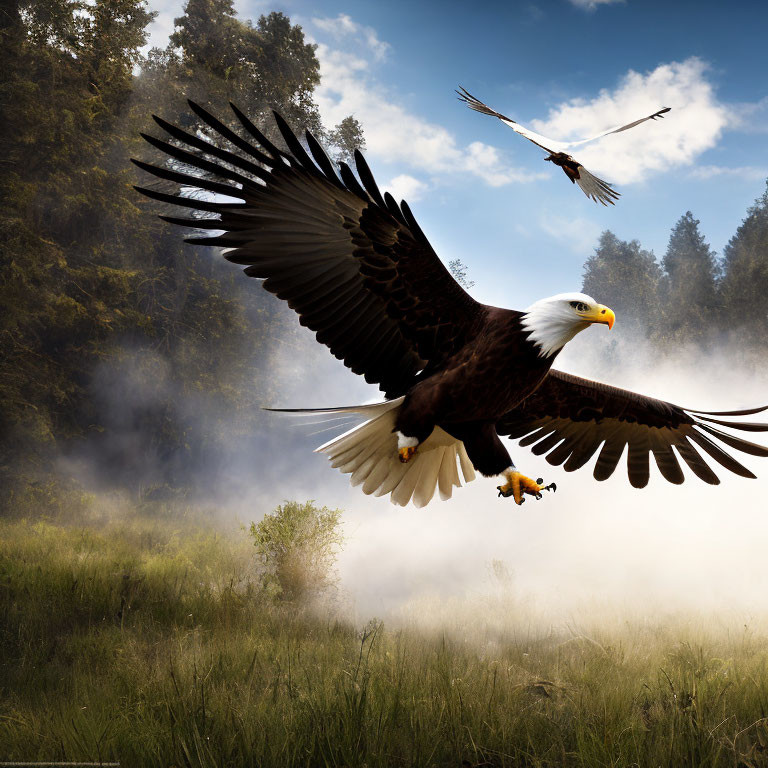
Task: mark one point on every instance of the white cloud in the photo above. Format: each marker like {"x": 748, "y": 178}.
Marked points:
{"x": 161, "y": 27}
{"x": 694, "y": 125}
{"x": 405, "y": 187}
{"x": 488, "y": 164}
{"x": 591, "y": 5}
{"x": 343, "y": 26}
{"x": 395, "y": 134}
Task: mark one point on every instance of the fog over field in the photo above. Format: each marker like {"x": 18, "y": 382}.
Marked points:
{"x": 589, "y": 547}
{"x": 651, "y": 551}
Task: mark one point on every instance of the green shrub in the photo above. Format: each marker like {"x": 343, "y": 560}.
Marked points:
{"x": 297, "y": 545}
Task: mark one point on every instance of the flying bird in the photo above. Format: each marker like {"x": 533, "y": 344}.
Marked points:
{"x": 594, "y": 188}
{"x": 457, "y": 375}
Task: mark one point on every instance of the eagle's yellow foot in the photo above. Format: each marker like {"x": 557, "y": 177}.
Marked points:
{"x": 518, "y": 484}
{"x": 406, "y": 454}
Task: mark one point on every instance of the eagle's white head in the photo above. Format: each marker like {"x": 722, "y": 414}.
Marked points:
{"x": 551, "y": 323}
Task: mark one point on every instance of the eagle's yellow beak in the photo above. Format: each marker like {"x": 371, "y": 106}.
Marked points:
{"x": 601, "y": 314}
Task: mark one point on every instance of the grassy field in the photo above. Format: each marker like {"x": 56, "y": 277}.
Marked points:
{"x": 150, "y": 643}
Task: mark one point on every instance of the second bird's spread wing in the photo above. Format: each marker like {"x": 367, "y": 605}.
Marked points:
{"x": 619, "y": 128}
{"x": 350, "y": 261}
{"x": 569, "y": 418}
{"x": 550, "y": 145}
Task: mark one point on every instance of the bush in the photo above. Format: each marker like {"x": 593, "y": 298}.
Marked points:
{"x": 297, "y": 545}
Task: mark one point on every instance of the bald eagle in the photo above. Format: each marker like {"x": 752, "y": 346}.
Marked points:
{"x": 457, "y": 375}
{"x": 594, "y": 188}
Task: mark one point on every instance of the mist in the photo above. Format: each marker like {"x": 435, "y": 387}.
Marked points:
{"x": 590, "y": 548}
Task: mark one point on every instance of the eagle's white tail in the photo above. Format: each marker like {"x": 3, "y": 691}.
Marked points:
{"x": 369, "y": 453}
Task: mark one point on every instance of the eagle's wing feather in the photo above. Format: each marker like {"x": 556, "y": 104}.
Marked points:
{"x": 548, "y": 145}
{"x": 618, "y": 129}
{"x": 596, "y": 189}
{"x": 352, "y": 263}
{"x": 569, "y": 418}
{"x": 551, "y": 145}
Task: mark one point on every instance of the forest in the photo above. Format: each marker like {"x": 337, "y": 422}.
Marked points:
{"x": 98, "y": 295}
{"x": 101, "y": 300}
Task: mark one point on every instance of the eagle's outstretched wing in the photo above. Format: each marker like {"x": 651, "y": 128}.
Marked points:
{"x": 550, "y": 145}
{"x": 568, "y": 418}
{"x": 352, "y": 263}
{"x": 618, "y": 129}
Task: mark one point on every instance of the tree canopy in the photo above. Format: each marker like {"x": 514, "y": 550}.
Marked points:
{"x": 625, "y": 277}
{"x": 691, "y": 297}
{"x": 744, "y": 280}
{"x": 108, "y": 320}
{"x": 689, "y": 287}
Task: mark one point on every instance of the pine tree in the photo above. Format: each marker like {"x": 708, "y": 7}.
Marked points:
{"x": 219, "y": 58}
{"x": 64, "y": 289}
{"x": 210, "y": 36}
{"x": 625, "y": 277}
{"x": 347, "y": 136}
{"x": 689, "y": 286}
{"x": 744, "y": 286}
{"x": 110, "y": 325}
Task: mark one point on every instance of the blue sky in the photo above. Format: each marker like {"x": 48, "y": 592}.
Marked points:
{"x": 570, "y": 69}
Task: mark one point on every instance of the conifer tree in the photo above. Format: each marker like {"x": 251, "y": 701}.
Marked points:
{"x": 64, "y": 288}
{"x": 744, "y": 286}
{"x": 625, "y": 277}
{"x": 347, "y": 136}
{"x": 689, "y": 285}
{"x": 110, "y": 325}
{"x": 260, "y": 67}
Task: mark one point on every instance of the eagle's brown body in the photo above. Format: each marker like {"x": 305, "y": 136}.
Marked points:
{"x": 488, "y": 377}
{"x": 457, "y": 374}
{"x": 567, "y": 163}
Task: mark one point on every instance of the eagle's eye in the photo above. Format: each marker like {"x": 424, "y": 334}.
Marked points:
{"x": 580, "y": 306}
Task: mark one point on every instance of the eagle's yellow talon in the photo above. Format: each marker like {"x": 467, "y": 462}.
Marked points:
{"x": 406, "y": 454}
{"x": 518, "y": 484}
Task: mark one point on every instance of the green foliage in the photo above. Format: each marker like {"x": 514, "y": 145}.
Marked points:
{"x": 347, "y": 136}
{"x": 691, "y": 298}
{"x": 689, "y": 287}
{"x": 151, "y": 644}
{"x": 214, "y": 57}
{"x": 106, "y": 318}
{"x": 625, "y": 277}
{"x": 297, "y": 546}
{"x": 744, "y": 287}
{"x": 210, "y": 36}
{"x": 63, "y": 297}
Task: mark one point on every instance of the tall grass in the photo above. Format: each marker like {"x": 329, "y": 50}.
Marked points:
{"x": 151, "y": 644}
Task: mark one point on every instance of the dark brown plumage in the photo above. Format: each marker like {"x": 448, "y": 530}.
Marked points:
{"x": 568, "y": 418}
{"x": 595, "y": 189}
{"x": 361, "y": 274}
